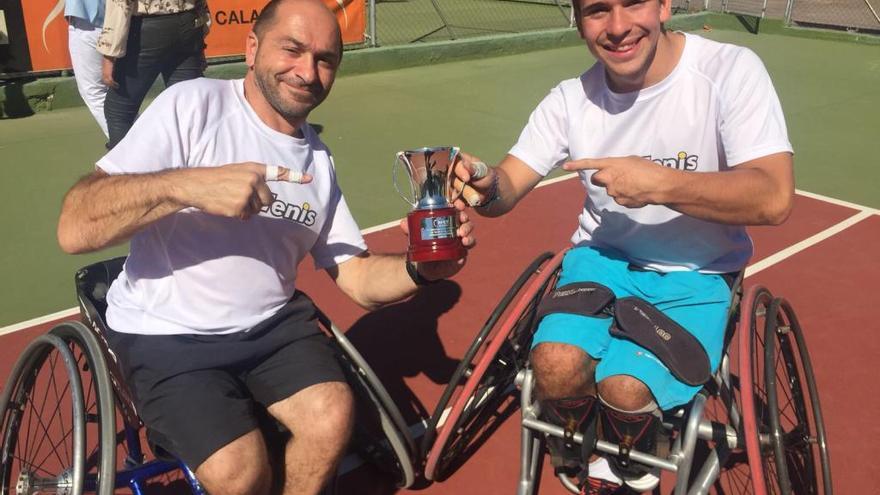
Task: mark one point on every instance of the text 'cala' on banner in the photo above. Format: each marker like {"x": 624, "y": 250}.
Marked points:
{"x": 231, "y": 21}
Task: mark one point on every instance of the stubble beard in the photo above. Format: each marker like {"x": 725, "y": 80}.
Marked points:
{"x": 286, "y": 107}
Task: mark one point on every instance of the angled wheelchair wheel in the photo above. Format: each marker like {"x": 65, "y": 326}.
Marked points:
{"x": 499, "y": 352}
{"x": 43, "y": 422}
{"x": 797, "y": 430}
{"x": 380, "y": 435}
{"x": 753, "y": 391}
{"x": 98, "y": 405}
{"x": 782, "y": 419}
{"x": 466, "y": 365}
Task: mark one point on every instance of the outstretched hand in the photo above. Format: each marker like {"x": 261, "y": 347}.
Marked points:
{"x": 237, "y": 190}
{"x": 632, "y": 181}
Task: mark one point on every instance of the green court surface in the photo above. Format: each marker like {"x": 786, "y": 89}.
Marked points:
{"x": 830, "y": 92}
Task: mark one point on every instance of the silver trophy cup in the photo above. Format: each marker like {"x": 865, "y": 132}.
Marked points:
{"x": 433, "y": 222}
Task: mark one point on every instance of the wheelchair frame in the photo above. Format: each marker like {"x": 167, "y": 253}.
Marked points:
{"x": 84, "y": 456}
{"x": 757, "y": 424}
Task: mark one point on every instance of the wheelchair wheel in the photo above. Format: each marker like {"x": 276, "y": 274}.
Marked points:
{"x": 381, "y": 435}
{"x": 43, "y": 422}
{"x": 466, "y": 365}
{"x": 499, "y": 352}
{"x": 798, "y": 432}
{"x": 98, "y": 405}
{"x": 753, "y": 391}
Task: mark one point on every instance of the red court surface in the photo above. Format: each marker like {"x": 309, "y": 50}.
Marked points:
{"x": 414, "y": 346}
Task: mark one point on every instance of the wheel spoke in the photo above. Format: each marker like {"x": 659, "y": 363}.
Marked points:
{"x": 45, "y": 436}
{"x": 55, "y": 449}
{"x": 27, "y": 466}
{"x": 39, "y": 417}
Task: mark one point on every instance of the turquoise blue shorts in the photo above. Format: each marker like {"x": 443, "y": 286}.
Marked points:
{"x": 698, "y": 302}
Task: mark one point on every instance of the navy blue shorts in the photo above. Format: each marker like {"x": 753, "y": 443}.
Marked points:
{"x": 198, "y": 393}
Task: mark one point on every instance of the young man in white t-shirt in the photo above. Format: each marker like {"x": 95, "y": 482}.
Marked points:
{"x": 205, "y": 317}
{"x": 680, "y": 142}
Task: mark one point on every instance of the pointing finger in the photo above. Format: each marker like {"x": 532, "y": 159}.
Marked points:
{"x": 584, "y": 164}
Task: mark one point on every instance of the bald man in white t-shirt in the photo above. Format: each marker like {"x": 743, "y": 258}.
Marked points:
{"x": 223, "y": 188}
{"x": 680, "y": 142}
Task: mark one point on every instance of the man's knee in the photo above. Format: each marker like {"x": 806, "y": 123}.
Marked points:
{"x": 625, "y": 392}
{"x": 322, "y": 415}
{"x": 239, "y": 468}
{"x": 562, "y": 370}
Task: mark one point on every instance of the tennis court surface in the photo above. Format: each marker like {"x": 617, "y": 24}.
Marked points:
{"x": 822, "y": 259}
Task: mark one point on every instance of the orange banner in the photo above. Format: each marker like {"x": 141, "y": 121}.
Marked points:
{"x": 231, "y": 21}
{"x": 46, "y": 34}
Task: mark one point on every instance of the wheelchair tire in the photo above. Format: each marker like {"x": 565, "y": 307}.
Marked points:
{"x": 381, "y": 435}
{"x": 795, "y": 415}
{"x": 40, "y": 454}
{"x": 99, "y": 405}
{"x": 756, "y": 426}
{"x": 466, "y": 364}
{"x": 503, "y": 350}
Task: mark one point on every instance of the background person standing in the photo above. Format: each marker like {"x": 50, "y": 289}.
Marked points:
{"x": 84, "y": 21}
{"x": 142, "y": 39}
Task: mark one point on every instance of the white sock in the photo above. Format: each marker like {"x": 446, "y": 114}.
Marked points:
{"x": 600, "y": 469}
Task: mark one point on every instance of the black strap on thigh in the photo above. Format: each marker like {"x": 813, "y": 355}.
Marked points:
{"x": 639, "y": 321}
{"x": 580, "y": 298}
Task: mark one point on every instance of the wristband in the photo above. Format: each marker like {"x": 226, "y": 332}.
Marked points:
{"x": 417, "y": 277}
{"x": 494, "y": 194}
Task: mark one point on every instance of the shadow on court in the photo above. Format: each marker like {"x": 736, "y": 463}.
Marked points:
{"x": 402, "y": 341}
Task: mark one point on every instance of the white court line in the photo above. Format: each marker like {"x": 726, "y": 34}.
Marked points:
{"x": 804, "y": 244}
{"x": 38, "y": 321}
{"x": 835, "y": 201}
{"x": 750, "y": 270}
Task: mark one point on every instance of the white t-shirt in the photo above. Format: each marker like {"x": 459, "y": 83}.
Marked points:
{"x": 716, "y": 109}
{"x": 192, "y": 272}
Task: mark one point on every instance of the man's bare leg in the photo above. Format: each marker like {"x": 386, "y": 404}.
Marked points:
{"x": 562, "y": 370}
{"x": 239, "y": 468}
{"x": 321, "y": 418}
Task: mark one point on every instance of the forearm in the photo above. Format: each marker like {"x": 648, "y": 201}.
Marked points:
{"x": 374, "y": 280}
{"x": 102, "y": 210}
{"x": 742, "y": 196}
{"x": 514, "y": 180}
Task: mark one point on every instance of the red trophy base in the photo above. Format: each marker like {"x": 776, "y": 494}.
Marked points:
{"x": 432, "y": 235}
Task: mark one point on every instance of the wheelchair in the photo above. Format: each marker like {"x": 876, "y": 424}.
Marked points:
{"x": 755, "y": 427}
{"x": 69, "y": 425}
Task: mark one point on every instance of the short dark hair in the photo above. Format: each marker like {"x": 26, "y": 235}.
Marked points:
{"x": 266, "y": 17}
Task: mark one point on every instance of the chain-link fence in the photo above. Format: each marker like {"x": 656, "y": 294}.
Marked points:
{"x": 852, "y": 15}
{"x": 407, "y": 21}
{"x": 396, "y": 22}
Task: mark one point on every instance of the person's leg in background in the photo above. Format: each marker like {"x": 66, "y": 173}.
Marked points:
{"x": 82, "y": 40}
{"x": 171, "y": 45}
{"x": 188, "y": 60}
{"x": 134, "y": 73}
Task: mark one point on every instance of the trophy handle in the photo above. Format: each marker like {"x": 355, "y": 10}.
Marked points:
{"x": 401, "y": 156}
{"x": 453, "y": 194}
